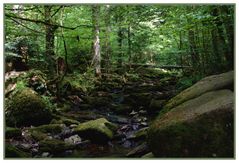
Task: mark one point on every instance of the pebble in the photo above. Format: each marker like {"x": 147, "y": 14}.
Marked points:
{"x": 74, "y": 139}
{"x": 45, "y": 154}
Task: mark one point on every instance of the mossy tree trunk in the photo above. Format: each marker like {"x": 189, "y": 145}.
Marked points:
{"x": 49, "y": 38}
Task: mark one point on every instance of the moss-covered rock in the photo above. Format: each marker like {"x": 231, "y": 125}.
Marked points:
{"x": 148, "y": 155}
{"x": 201, "y": 127}
{"x": 13, "y": 152}
{"x": 53, "y": 146}
{"x": 139, "y": 151}
{"x": 38, "y": 135}
{"x": 207, "y": 84}
{"x": 49, "y": 128}
{"x": 11, "y": 132}
{"x": 140, "y": 134}
{"x": 26, "y": 108}
{"x": 66, "y": 121}
{"x": 98, "y": 131}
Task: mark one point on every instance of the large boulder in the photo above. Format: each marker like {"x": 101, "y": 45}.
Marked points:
{"x": 207, "y": 84}
{"x": 201, "y": 127}
{"x": 11, "y": 132}
{"x": 54, "y": 146}
{"x": 26, "y": 108}
{"x": 14, "y": 152}
{"x": 98, "y": 131}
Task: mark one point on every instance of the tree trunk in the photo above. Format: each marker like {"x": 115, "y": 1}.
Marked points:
{"x": 107, "y": 39}
{"x": 49, "y": 32}
{"x": 229, "y": 33}
{"x": 49, "y": 37}
{"x": 129, "y": 43}
{"x": 193, "y": 49}
{"x": 120, "y": 40}
{"x": 96, "y": 47}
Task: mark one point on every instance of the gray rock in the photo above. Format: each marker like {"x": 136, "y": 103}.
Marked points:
{"x": 196, "y": 128}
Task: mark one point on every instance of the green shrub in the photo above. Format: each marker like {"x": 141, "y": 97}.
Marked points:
{"x": 188, "y": 81}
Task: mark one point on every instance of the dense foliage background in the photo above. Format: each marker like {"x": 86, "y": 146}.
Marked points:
{"x": 201, "y": 36}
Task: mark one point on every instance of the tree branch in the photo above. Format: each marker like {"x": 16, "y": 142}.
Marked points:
{"x": 20, "y": 9}
{"x": 56, "y": 11}
{"x": 39, "y": 22}
{"x": 45, "y": 23}
{"x": 26, "y": 26}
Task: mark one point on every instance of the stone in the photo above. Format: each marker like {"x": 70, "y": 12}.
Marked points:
{"x": 98, "y": 131}
{"x": 199, "y": 127}
{"x": 63, "y": 120}
{"x": 50, "y": 128}
{"x": 207, "y": 84}
{"x": 74, "y": 139}
{"x": 148, "y": 155}
{"x": 11, "y": 132}
{"x": 53, "y": 145}
{"x": 38, "y": 135}
{"x": 140, "y": 134}
{"x": 27, "y": 108}
{"x": 13, "y": 152}
{"x": 139, "y": 150}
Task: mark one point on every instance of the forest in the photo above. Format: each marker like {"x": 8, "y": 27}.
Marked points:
{"x": 141, "y": 81}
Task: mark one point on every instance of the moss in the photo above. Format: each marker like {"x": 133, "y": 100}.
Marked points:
{"x": 37, "y": 135}
{"x": 27, "y": 108}
{"x": 99, "y": 131}
{"x": 12, "y": 132}
{"x": 13, "y": 152}
{"x": 53, "y": 146}
{"x": 141, "y": 134}
{"x": 64, "y": 120}
{"x": 78, "y": 82}
{"x": 203, "y": 138}
{"x": 201, "y": 127}
{"x": 50, "y": 128}
{"x": 69, "y": 122}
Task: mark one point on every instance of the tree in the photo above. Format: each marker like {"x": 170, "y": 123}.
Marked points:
{"x": 96, "y": 57}
{"x": 107, "y": 37}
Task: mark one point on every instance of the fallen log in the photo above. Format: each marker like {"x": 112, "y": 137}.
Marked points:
{"x": 136, "y": 65}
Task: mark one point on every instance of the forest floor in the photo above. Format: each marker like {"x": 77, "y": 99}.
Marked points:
{"x": 131, "y": 102}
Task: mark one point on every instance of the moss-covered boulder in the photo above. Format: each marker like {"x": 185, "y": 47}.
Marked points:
{"x": 66, "y": 121}
{"x": 13, "y": 152}
{"x": 207, "y": 84}
{"x": 139, "y": 151}
{"x": 49, "y": 128}
{"x": 54, "y": 145}
{"x": 27, "y": 108}
{"x": 140, "y": 134}
{"x": 201, "y": 127}
{"x": 37, "y": 135}
{"x": 11, "y": 132}
{"x": 98, "y": 131}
